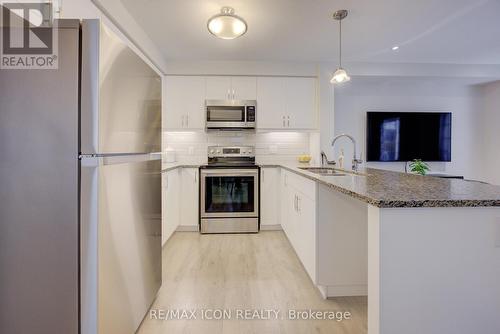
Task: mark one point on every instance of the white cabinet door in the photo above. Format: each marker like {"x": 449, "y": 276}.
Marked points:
{"x": 244, "y": 88}
{"x": 218, "y": 88}
{"x": 284, "y": 202}
{"x": 270, "y": 195}
{"x": 306, "y": 229}
{"x": 271, "y": 103}
{"x": 298, "y": 217}
{"x": 170, "y": 203}
{"x": 300, "y": 97}
{"x": 190, "y": 197}
{"x": 184, "y": 102}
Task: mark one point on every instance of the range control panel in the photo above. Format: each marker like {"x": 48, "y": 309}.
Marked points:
{"x": 231, "y": 151}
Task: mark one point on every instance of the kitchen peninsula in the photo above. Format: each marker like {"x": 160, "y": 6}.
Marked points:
{"x": 426, "y": 250}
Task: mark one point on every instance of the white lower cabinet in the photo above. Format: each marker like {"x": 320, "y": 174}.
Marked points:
{"x": 190, "y": 198}
{"x": 170, "y": 203}
{"x": 269, "y": 196}
{"x": 179, "y": 201}
{"x": 298, "y": 217}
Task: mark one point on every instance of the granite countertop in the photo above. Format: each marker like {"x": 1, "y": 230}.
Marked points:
{"x": 167, "y": 167}
{"x": 387, "y": 189}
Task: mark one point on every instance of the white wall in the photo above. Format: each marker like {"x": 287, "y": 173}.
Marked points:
{"x": 362, "y": 94}
{"x": 129, "y": 31}
{"x": 490, "y": 133}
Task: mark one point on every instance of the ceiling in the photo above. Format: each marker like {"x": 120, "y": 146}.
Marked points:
{"x": 427, "y": 31}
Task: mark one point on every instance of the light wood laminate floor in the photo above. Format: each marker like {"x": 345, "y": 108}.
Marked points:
{"x": 243, "y": 271}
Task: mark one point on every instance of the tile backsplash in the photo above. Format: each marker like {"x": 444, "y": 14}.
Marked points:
{"x": 191, "y": 147}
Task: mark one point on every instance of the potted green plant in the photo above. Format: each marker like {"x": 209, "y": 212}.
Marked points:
{"x": 417, "y": 166}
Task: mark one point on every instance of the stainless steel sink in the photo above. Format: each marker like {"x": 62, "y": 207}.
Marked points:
{"x": 323, "y": 171}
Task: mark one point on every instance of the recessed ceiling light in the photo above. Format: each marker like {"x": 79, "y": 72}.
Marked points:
{"x": 226, "y": 25}
{"x": 395, "y": 48}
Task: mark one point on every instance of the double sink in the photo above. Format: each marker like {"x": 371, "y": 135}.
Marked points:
{"x": 323, "y": 171}
{"x": 329, "y": 171}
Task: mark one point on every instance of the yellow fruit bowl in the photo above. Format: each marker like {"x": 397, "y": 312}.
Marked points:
{"x": 304, "y": 158}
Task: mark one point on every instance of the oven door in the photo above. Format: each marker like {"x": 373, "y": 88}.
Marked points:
{"x": 229, "y": 193}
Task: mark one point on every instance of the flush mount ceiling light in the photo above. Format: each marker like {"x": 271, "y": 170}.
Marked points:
{"x": 395, "y": 48}
{"x": 226, "y": 25}
{"x": 340, "y": 74}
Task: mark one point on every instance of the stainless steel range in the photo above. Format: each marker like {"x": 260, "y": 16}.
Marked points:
{"x": 229, "y": 191}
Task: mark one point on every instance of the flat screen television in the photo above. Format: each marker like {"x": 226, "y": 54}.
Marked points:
{"x": 404, "y": 136}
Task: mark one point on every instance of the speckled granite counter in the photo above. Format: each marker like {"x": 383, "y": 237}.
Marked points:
{"x": 387, "y": 189}
{"x": 166, "y": 167}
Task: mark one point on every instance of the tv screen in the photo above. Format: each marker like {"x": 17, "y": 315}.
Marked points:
{"x": 404, "y": 136}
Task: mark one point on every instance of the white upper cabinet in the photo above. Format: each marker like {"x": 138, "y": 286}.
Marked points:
{"x": 231, "y": 88}
{"x": 300, "y": 99}
{"x": 218, "y": 88}
{"x": 270, "y": 103}
{"x": 286, "y": 103}
{"x": 184, "y": 102}
{"x": 244, "y": 88}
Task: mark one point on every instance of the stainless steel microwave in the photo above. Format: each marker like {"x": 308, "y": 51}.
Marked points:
{"x": 231, "y": 114}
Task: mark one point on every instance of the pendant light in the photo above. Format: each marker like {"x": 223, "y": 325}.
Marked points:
{"x": 340, "y": 74}
{"x": 226, "y": 25}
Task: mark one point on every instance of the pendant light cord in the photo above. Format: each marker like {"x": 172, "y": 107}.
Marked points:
{"x": 340, "y": 43}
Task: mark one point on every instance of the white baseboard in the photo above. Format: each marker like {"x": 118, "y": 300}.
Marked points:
{"x": 343, "y": 290}
{"x": 276, "y": 227}
{"x": 187, "y": 228}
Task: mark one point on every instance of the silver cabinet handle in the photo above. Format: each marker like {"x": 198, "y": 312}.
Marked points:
{"x": 298, "y": 204}
{"x": 233, "y": 93}
{"x": 187, "y": 121}
{"x": 229, "y": 94}
{"x": 283, "y": 121}
{"x": 288, "y": 120}
{"x": 182, "y": 121}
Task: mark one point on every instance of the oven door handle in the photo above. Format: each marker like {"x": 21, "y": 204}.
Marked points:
{"x": 230, "y": 172}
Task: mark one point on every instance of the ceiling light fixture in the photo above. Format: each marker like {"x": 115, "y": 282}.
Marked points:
{"x": 340, "y": 74}
{"x": 395, "y": 48}
{"x": 226, "y": 25}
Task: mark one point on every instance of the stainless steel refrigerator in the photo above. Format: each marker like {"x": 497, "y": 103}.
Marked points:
{"x": 80, "y": 188}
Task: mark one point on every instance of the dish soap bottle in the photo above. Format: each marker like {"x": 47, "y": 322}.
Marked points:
{"x": 341, "y": 159}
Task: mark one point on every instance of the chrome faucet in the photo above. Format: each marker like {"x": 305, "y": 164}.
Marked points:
{"x": 355, "y": 160}
{"x": 324, "y": 159}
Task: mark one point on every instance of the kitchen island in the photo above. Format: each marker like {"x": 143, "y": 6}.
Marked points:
{"x": 425, "y": 250}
